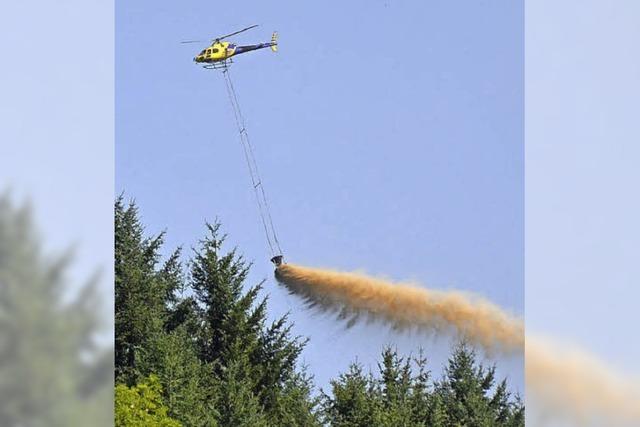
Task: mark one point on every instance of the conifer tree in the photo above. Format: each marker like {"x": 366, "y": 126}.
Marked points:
{"x": 172, "y": 358}
{"x": 396, "y": 388}
{"x": 201, "y": 334}
{"x": 235, "y": 341}
{"x": 403, "y": 395}
{"x": 154, "y": 325}
{"x": 354, "y": 400}
{"x": 466, "y": 393}
{"x": 422, "y": 402}
{"x": 140, "y": 292}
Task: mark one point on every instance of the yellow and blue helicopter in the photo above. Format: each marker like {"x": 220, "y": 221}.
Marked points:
{"x": 218, "y": 55}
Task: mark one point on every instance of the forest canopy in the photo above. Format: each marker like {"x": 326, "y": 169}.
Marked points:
{"x": 193, "y": 347}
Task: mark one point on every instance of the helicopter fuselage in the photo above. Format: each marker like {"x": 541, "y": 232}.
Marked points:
{"x": 220, "y": 51}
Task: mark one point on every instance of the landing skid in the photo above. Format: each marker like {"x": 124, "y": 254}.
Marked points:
{"x": 220, "y": 65}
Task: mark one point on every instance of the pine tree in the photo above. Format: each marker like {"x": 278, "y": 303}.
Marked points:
{"x": 237, "y": 403}
{"x": 295, "y": 405}
{"x": 203, "y": 336}
{"x": 466, "y": 393}
{"x": 437, "y": 416}
{"x": 276, "y": 358}
{"x": 154, "y": 325}
{"x": 140, "y": 292}
{"x": 422, "y": 404}
{"x": 354, "y": 400}
{"x": 403, "y": 395}
{"x": 235, "y": 340}
{"x": 396, "y": 388}
{"x": 172, "y": 357}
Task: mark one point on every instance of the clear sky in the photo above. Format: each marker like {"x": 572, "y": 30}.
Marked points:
{"x": 56, "y": 127}
{"x": 389, "y": 136}
{"x": 583, "y": 86}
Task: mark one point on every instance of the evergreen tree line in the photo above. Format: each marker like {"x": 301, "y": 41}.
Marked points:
{"x": 193, "y": 347}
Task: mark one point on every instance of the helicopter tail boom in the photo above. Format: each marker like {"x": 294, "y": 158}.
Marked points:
{"x": 273, "y": 44}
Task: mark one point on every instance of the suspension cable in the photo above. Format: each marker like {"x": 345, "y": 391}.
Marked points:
{"x": 252, "y": 165}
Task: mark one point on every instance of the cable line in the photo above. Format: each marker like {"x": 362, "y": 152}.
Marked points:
{"x": 256, "y": 180}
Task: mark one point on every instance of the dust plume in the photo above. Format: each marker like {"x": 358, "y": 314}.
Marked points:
{"x": 570, "y": 383}
{"x": 566, "y": 384}
{"x": 404, "y": 306}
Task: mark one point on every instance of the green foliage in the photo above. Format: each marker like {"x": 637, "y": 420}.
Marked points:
{"x": 203, "y": 334}
{"x": 356, "y": 400}
{"x": 403, "y": 395}
{"x": 172, "y": 357}
{"x": 250, "y": 358}
{"x": 142, "y": 406}
{"x": 295, "y": 405}
{"x": 466, "y": 393}
{"x": 140, "y": 291}
{"x": 193, "y": 345}
{"x": 237, "y": 403}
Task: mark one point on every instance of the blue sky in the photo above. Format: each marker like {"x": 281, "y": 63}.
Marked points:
{"x": 389, "y": 136}
{"x": 582, "y": 156}
{"x": 57, "y": 128}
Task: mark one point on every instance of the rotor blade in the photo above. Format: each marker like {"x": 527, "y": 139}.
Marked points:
{"x": 193, "y": 41}
{"x": 237, "y": 32}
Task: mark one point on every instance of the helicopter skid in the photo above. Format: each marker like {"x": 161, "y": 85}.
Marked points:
{"x": 221, "y": 65}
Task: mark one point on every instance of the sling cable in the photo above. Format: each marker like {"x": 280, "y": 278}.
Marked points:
{"x": 256, "y": 181}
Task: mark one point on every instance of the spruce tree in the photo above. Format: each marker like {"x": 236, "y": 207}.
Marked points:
{"x": 202, "y": 335}
{"x": 396, "y": 388}
{"x": 422, "y": 403}
{"x": 155, "y": 325}
{"x": 354, "y": 400}
{"x": 140, "y": 292}
{"x": 402, "y": 394}
{"x": 172, "y": 358}
{"x": 247, "y": 355}
{"x": 466, "y": 391}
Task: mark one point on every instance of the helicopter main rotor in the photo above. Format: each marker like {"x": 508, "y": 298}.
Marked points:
{"x": 217, "y": 39}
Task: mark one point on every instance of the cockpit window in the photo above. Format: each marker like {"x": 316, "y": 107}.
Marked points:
{"x": 203, "y": 52}
{"x": 208, "y": 50}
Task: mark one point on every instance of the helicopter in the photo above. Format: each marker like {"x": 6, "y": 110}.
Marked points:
{"x": 218, "y": 55}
